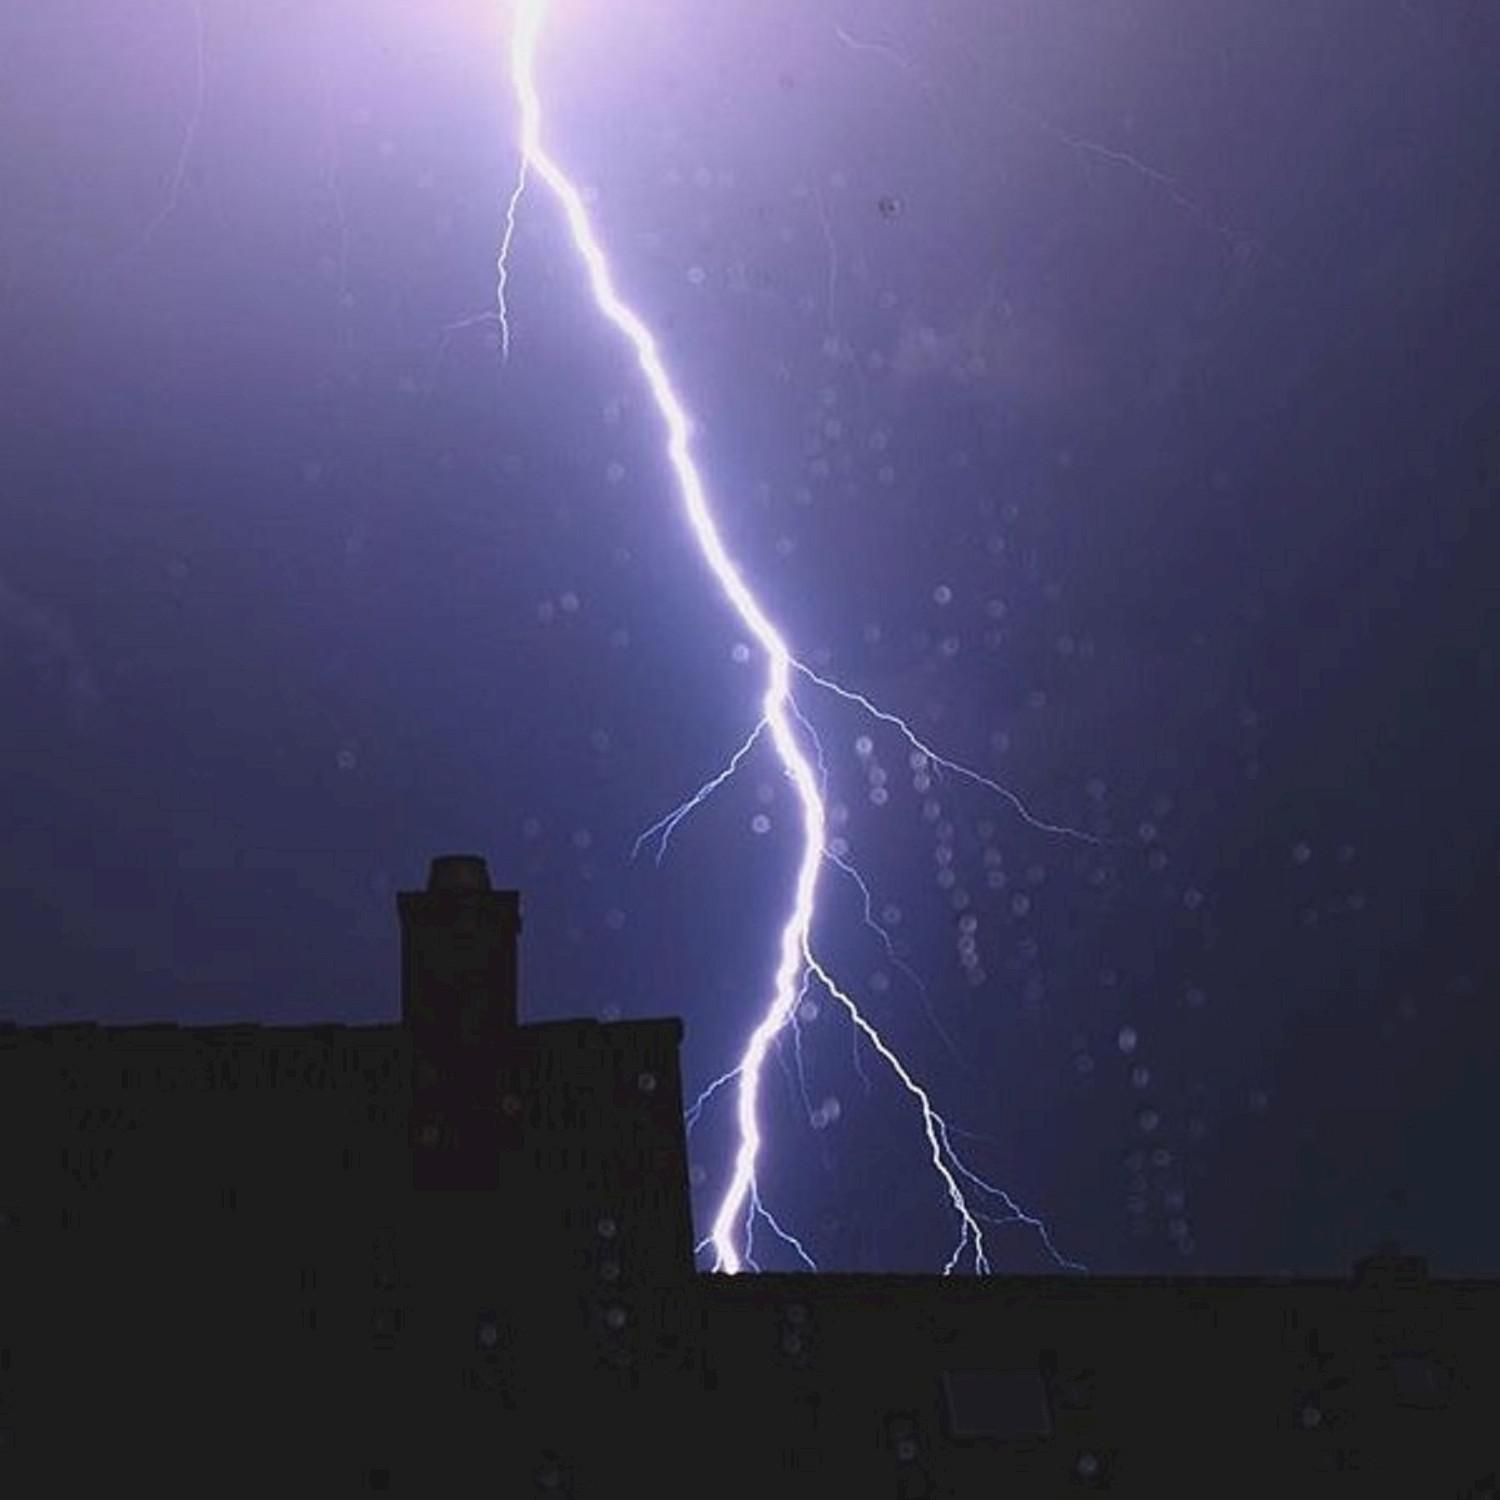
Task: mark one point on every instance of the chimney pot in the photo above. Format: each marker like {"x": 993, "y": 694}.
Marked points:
{"x": 458, "y": 872}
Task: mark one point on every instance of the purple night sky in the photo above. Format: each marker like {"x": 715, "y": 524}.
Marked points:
{"x": 1112, "y": 390}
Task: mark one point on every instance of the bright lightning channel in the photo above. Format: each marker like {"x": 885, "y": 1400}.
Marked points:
{"x": 732, "y": 1235}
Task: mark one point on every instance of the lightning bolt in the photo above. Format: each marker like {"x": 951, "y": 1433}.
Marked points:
{"x": 797, "y": 966}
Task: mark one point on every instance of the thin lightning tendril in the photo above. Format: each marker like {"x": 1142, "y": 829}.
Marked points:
{"x": 732, "y": 1235}
{"x": 709, "y": 1091}
{"x": 897, "y": 962}
{"x": 970, "y": 1233}
{"x": 807, "y": 1103}
{"x": 1238, "y": 241}
{"x": 502, "y": 260}
{"x": 812, "y": 734}
{"x": 942, "y": 761}
{"x": 497, "y": 316}
{"x": 664, "y": 827}
{"x": 189, "y": 136}
{"x": 757, "y": 1207}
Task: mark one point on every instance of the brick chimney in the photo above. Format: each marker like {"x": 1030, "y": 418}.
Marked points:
{"x": 458, "y": 1005}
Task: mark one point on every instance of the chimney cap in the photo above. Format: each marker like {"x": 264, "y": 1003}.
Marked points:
{"x": 458, "y": 872}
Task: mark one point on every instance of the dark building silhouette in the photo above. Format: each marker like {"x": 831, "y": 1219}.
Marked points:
{"x": 453, "y": 1257}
